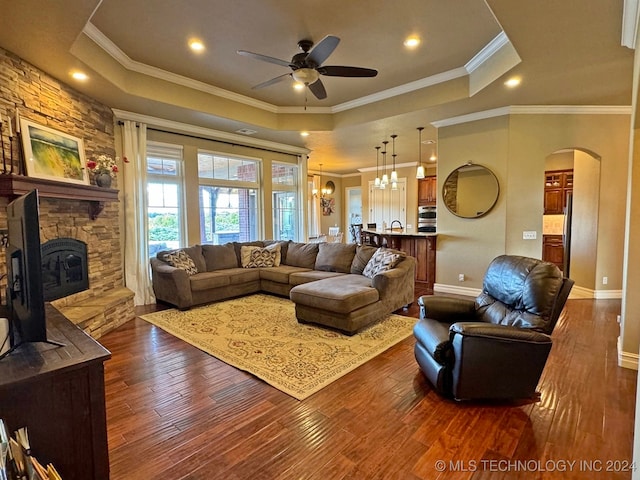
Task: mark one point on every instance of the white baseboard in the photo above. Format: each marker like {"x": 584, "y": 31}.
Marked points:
{"x": 442, "y": 288}
{"x": 627, "y": 359}
{"x": 577, "y": 293}
{"x": 608, "y": 294}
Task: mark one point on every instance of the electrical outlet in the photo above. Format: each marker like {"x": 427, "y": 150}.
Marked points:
{"x": 619, "y": 319}
{"x": 605, "y": 280}
{"x": 461, "y": 277}
{"x": 529, "y": 235}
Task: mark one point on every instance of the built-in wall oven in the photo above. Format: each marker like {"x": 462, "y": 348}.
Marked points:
{"x": 427, "y": 219}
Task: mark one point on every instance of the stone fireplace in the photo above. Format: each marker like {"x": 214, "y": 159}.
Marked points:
{"x": 64, "y": 268}
{"x": 106, "y": 303}
{"x": 85, "y": 213}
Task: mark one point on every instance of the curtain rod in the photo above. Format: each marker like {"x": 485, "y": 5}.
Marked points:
{"x": 224, "y": 142}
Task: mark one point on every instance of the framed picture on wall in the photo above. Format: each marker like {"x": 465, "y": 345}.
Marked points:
{"x": 52, "y": 155}
{"x": 328, "y": 205}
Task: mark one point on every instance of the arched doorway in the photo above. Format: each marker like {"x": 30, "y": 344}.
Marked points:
{"x": 577, "y": 223}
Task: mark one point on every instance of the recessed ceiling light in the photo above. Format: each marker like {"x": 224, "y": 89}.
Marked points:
{"x": 77, "y": 75}
{"x": 412, "y": 41}
{"x": 196, "y": 45}
{"x": 304, "y": 134}
{"x": 298, "y": 86}
{"x": 513, "y": 82}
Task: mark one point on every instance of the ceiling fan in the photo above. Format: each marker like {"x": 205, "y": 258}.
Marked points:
{"x": 307, "y": 66}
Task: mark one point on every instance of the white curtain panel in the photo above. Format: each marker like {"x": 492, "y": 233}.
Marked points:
{"x": 137, "y": 274}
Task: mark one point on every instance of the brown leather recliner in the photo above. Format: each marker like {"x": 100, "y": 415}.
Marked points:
{"x": 496, "y": 346}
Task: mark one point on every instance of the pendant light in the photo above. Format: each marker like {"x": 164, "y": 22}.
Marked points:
{"x": 376, "y": 182}
{"x": 420, "y": 172}
{"x": 314, "y": 190}
{"x": 385, "y": 177}
{"x": 394, "y": 182}
{"x": 323, "y": 189}
{"x": 394, "y": 174}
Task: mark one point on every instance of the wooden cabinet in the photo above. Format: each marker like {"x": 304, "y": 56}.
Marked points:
{"x": 553, "y": 249}
{"x": 557, "y": 185}
{"x": 423, "y": 248}
{"x": 58, "y": 394}
{"x": 427, "y": 191}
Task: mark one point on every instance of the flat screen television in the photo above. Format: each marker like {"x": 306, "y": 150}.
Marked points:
{"x": 25, "y": 297}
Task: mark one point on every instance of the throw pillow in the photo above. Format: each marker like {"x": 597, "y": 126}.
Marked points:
{"x": 181, "y": 260}
{"x": 302, "y": 254}
{"x": 335, "y": 257}
{"x": 384, "y": 259}
{"x": 247, "y": 250}
{"x": 362, "y": 257}
{"x": 258, "y": 257}
{"x": 219, "y": 257}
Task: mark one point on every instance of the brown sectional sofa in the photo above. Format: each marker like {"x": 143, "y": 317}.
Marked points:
{"x": 324, "y": 280}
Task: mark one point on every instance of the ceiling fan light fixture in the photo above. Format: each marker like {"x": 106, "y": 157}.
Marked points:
{"x": 298, "y": 86}
{"x": 305, "y": 76}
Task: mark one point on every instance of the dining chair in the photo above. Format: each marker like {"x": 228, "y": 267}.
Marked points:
{"x": 355, "y": 229}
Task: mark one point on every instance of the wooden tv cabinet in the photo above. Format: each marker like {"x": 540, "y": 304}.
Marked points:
{"x": 58, "y": 394}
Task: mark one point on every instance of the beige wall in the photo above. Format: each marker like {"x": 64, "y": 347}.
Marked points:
{"x": 532, "y": 139}
{"x": 584, "y": 224}
{"x": 515, "y": 148}
{"x": 467, "y": 245}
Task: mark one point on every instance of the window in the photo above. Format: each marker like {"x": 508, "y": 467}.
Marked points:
{"x": 165, "y": 218}
{"x": 229, "y": 206}
{"x": 285, "y": 201}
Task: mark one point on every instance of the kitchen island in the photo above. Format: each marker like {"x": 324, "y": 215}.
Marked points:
{"x": 420, "y": 245}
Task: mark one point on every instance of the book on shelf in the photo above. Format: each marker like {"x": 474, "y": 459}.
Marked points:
{"x": 17, "y": 461}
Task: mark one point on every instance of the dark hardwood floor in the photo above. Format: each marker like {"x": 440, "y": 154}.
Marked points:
{"x": 174, "y": 412}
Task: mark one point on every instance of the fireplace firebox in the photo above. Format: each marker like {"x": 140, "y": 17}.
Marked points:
{"x": 64, "y": 268}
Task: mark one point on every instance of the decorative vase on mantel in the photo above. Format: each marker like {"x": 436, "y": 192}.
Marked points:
{"x": 103, "y": 180}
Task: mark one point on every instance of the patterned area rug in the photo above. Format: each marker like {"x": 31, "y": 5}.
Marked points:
{"x": 260, "y": 334}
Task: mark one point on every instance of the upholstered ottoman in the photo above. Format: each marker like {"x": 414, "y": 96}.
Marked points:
{"x": 346, "y": 303}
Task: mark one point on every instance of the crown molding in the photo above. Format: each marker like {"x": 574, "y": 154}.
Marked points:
{"x": 398, "y": 165}
{"x": 303, "y": 110}
{"x": 123, "y": 59}
{"x": 572, "y": 109}
{"x": 630, "y": 20}
{"x": 401, "y": 89}
{"x": 487, "y": 52}
{"x": 536, "y": 110}
{"x": 185, "y": 128}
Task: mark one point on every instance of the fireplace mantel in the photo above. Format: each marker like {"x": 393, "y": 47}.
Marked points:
{"x": 12, "y": 186}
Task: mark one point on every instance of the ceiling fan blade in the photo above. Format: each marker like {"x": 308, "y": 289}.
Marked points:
{"x": 264, "y": 58}
{"x": 277, "y": 79}
{"x": 321, "y": 51}
{"x": 317, "y": 88}
{"x": 341, "y": 71}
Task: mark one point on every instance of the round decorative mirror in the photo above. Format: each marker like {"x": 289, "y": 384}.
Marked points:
{"x": 330, "y": 187}
{"x": 470, "y": 191}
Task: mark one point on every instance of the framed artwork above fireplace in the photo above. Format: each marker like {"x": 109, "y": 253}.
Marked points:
{"x": 53, "y": 155}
